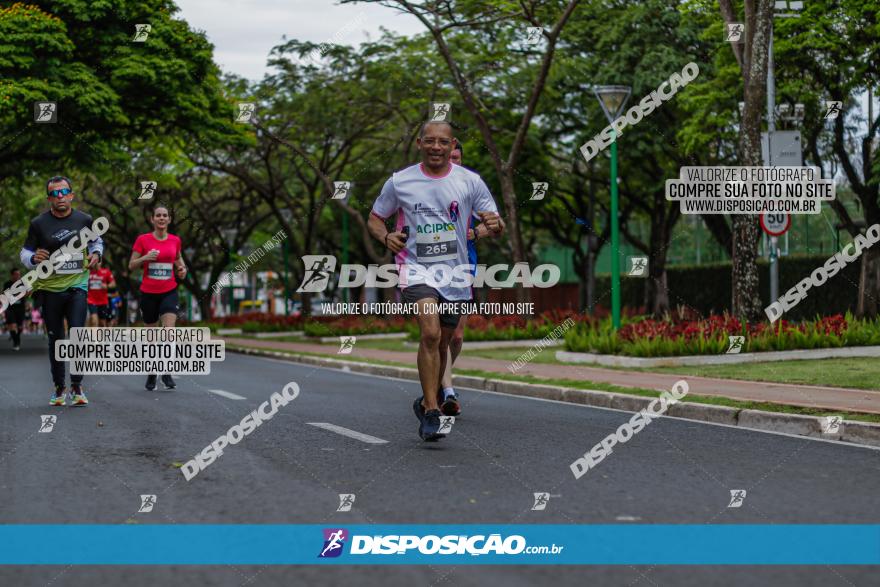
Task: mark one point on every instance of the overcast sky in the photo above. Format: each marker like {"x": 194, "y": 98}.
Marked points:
{"x": 243, "y": 31}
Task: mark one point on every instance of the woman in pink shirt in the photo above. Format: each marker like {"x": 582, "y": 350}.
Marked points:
{"x": 159, "y": 253}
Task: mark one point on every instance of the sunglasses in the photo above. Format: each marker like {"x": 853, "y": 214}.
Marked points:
{"x": 59, "y": 193}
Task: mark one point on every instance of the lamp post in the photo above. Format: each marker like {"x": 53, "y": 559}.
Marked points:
{"x": 779, "y": 8}
{"x": 613, "y": 99}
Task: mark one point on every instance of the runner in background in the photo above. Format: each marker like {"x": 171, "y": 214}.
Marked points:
{"x": 100, "y": 280}
{"x": 448, "y": 399}
{"x": 159, "y": 254}
{"x": 15, "y": 313}
{"x": 115, "y": 305}
{"x": 37, "y": 320}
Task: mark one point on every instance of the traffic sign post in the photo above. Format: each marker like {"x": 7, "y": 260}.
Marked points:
{"x": 775, "y": 225}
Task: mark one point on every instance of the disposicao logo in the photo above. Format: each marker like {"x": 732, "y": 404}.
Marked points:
{"x": 334, "y": 542}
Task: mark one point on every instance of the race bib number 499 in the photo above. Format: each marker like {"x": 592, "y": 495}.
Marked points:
{"x": 159, "y": 271}
{"x": 433, "y": 247}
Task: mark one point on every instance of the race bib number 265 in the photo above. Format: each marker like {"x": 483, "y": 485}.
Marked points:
{"x": 436, "y": 247}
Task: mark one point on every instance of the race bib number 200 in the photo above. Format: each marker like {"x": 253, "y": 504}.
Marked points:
{"x": 72, "y": 266}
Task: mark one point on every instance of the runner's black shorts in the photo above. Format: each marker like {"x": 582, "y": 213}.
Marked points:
{"x": 104, "y": 312}
{"x": 154, "y": 305}
{"x": 414, "y": 293}
{"x": 15, "y": 314}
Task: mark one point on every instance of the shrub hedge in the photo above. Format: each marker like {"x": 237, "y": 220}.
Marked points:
{"x": 706, "y": 288}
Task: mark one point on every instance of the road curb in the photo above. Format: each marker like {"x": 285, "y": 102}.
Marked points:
{"x": 854, "y": 432}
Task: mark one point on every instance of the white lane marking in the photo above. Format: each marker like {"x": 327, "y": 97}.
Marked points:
{"x": 226, "y": 394}
{"x": 350, "y": 433}
{"x": 553, "y": 401}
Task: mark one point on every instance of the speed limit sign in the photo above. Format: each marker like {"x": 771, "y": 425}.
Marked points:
{"x": 775, "y": 223}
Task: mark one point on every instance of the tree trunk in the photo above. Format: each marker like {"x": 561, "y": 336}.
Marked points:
{"x": 869, "y": 283}
{"x": 746, "y": 299}
{"x": 205, "y": 307}
{"x": 657, "y": 290}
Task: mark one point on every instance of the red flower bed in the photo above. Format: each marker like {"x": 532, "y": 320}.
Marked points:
{"x": 714, "y": 325}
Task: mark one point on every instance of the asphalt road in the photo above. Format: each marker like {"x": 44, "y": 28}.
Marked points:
{"x": 97, "y": 461}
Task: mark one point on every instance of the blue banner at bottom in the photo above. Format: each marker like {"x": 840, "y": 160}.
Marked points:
{"x": 249, "y": 544}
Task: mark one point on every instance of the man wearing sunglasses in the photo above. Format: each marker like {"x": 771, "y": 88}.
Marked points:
{"x": 62, "y": 295}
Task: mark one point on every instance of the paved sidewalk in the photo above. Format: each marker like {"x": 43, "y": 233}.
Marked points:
{"x": 829, "y": 398}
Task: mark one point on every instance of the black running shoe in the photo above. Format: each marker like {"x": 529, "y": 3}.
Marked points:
{"x": 430, "y": 429}
{"x": 151, "y": 383}
{"x": 419, "y": 410}
{"x": 168, "y": 382}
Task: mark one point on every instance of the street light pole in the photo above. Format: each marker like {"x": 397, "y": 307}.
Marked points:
{"x": 771, "y": 130}
{"x": 592, "y": 242}
{"x": 613, "y": 99}
{"x": 615, "y": 239}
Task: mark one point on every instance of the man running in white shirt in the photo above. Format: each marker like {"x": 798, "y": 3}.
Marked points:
{"x": 432, "y": 203}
